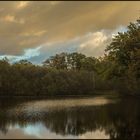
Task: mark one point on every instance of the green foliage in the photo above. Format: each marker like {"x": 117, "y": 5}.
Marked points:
{"x": 124, "y": 54}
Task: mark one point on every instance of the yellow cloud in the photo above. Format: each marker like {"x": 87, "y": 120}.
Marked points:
{"x": 9, "y": 18}
{"x": 22, "y": 4}
{"x": 25, "y": 24}
{"x": 54, "y": 2}
{"x": 34, "y": 33}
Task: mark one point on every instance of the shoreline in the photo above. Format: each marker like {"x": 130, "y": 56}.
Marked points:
{"x": 109, "y": 95}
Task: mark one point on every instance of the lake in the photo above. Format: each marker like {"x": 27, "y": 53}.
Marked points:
{"x": 96, "y": 117}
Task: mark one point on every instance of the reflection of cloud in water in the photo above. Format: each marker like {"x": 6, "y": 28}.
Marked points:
{"x": 15, "y": 133}
{"x": 41, "y": 132}
{"x": 94, "y": 135}
{"x": 38, "y": 130}
{"x": 48, "y": 105}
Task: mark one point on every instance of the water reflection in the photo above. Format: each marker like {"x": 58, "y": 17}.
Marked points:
{"x": 79, "y": 118}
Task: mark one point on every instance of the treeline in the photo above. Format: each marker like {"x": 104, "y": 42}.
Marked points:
{"x": 24, "y": 78}
{"x": 77, "y": 74}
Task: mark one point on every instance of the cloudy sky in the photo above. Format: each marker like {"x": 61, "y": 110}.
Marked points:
{"x": 36, "y": 30}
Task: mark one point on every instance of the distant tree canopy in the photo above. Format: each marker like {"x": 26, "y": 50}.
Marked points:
{"x": 74, "y": 61}
{"x": 75, "y": 73}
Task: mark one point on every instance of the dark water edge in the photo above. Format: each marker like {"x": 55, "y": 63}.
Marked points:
{"x": 107, "y": 93}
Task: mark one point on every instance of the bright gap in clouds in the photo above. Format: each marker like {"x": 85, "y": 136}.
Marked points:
{"x": 96, "y": 42}
{"x": 28, "y": 53}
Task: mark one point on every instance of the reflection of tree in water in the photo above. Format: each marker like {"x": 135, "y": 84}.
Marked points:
{"x": 119, "y": 120}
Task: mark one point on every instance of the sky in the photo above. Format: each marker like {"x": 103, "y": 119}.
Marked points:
{"x": 35, "y": 30}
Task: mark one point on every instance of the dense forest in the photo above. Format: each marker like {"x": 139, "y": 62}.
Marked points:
{"x": 75, "y": 73}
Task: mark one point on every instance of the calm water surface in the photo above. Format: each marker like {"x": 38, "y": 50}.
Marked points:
{"x": 96, "y": 117}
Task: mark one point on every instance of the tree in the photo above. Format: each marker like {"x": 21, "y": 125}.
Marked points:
{"x": 124, "y": 52}
{"x": 58, "y": 61}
